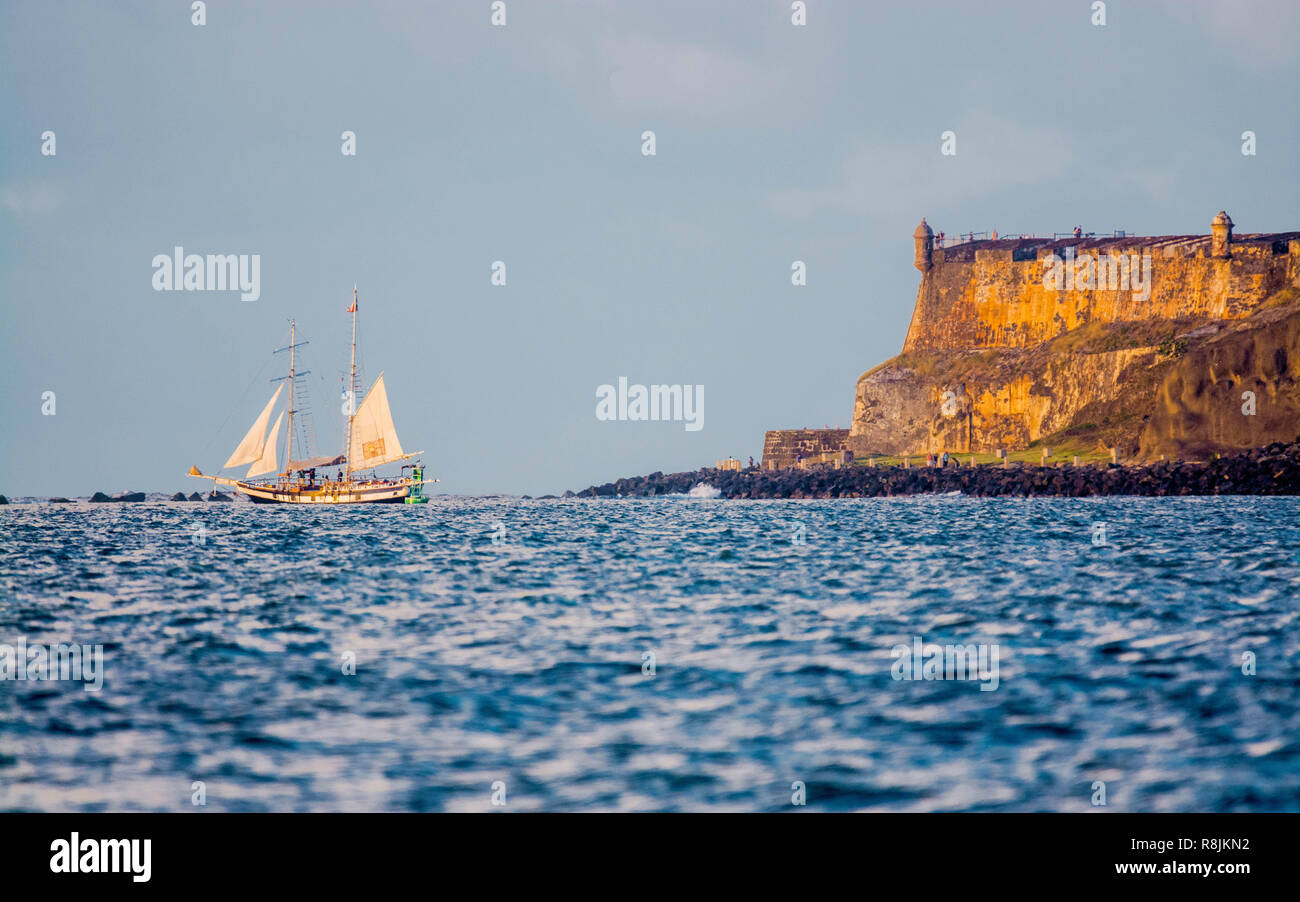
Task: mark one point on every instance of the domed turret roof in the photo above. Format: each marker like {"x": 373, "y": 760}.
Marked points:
{"x": 923, "y": 230}
{"x": 1222, "y": 219}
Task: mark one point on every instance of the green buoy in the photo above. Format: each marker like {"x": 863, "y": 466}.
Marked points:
{"x": 416, "y": 495}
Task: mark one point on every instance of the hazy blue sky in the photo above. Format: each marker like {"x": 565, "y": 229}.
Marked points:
{"x": 523, "y": 144}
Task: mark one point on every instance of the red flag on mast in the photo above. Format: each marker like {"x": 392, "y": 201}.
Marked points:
{"x": 353, "y": 308}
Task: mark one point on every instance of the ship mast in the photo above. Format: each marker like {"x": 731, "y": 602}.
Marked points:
{"x": 292, "y": 377}
{"x": 288, "y": 448}
{"x": 352, "y": 390}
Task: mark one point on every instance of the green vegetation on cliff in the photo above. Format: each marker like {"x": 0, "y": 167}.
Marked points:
{"x": 1149, "y": 387}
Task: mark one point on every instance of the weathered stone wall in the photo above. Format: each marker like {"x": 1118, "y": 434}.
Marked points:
{"x": 782, "y": 447}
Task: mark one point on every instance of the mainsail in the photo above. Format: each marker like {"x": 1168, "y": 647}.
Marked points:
{"x": 374, "y": 438}
{"x": 254, "y": 443}
{"x": 266, "y": 463}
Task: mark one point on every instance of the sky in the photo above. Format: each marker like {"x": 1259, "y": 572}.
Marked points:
{"x": 522, "y": 143}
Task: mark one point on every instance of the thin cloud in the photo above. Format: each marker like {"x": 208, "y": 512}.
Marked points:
{"x": 1259, "y": 34}
{"x": 652, "y": 75}
{"x": 993, "y": 154}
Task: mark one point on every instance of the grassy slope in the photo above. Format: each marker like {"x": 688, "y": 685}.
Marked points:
{"x": 1097, "y": 427}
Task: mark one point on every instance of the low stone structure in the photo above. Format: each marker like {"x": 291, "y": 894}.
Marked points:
{"x": 783, "y": 448}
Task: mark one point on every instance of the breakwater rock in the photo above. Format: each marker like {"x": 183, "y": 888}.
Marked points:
{"x": 1271, "y": 470}
{"x": 101, "y": 498}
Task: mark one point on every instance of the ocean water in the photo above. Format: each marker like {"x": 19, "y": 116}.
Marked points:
{"x": 504, "y": 641}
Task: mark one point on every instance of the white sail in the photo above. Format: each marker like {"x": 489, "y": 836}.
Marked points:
{"x": 266, "y": 463}
{"x": 254, "y": 443}
{"x": 374, "y": 438}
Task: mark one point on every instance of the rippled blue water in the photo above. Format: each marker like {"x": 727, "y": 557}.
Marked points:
{"x": 523, "y": 662}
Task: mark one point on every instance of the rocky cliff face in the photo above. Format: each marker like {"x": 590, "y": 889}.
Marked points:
{"x": 1145, "y": 344}
{"x": 1006, "y": 400}
{"x": 1236, "y": 389}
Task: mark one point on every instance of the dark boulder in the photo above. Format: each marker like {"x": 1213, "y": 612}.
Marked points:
{"x": 129, "y": 496}
{"x": 194, "y": 496}
{"x": 179, "y": 496}
{"x": 218, "y": 496}
{"x": 60, "y": 501}
{"x": 99, "y": 498}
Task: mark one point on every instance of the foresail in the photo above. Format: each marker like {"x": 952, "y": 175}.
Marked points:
{"x": 266, "y": 463}
{"x": 374, "y": 438}
{"x": 251, "y": 448}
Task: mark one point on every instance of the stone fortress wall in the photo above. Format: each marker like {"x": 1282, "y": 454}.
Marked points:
{"x": 993, "y": 294}
{"x": 1142, "y": 343}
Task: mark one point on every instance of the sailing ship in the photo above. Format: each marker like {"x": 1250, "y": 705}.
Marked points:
{"x": 371, "y": 441}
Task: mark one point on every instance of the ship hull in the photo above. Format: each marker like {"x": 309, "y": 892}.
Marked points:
{"x": 334, "y": 493}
